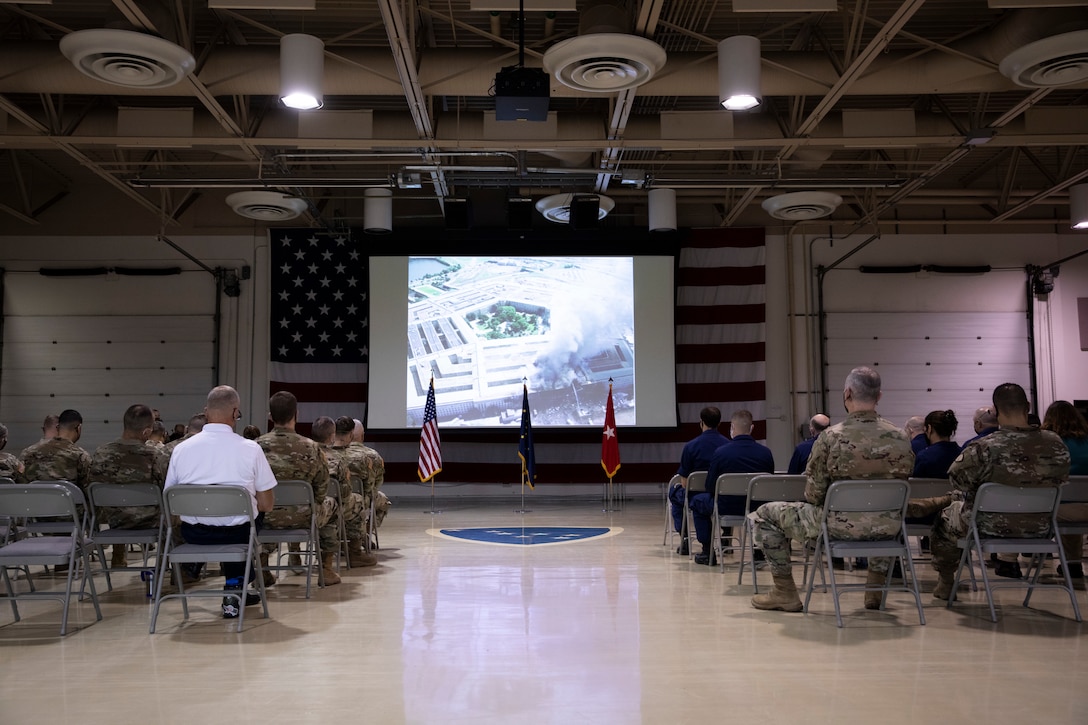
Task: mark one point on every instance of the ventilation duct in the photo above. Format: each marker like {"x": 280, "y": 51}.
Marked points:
{"x": 127, "y": 58}
{"x": 1058, "y": 60}
{"x": 802, "y": 205}
{"x": 604, "y": 58}
{"x": 266, "y": 206}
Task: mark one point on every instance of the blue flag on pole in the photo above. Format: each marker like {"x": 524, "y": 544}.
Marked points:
{"x": 525, "y": 445}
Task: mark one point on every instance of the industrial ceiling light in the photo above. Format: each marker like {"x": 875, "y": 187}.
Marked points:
{"x": 1078, "y": 206}
{"x": 739, "y": 73}
{"x": 662, "y": 211}
{"x": 302, "y": 70}
{"x": 378, "y": 211}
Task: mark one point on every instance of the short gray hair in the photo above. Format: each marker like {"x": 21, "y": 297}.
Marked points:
{"x": 864, "y": 383}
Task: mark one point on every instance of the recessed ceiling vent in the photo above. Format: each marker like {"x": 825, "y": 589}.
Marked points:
{"x": 1058, "y": 60}
{"x": 556, "y": 208}
{"x": 802, "y": 205}
{"x": 604, "y": 58}
{"x": 127, "y": 58}
{"x": 266, "y": 206}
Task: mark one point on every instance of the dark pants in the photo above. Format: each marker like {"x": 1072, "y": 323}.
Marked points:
{"x": 200, "y": 534}
{"x": 702, "y": 508}
{"x": 677, "y": 496}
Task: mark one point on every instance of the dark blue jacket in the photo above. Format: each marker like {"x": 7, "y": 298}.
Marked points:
{"x": 800, "y": 456}
{"x": 699, "y": 451}
{"x": 934, "y": 460}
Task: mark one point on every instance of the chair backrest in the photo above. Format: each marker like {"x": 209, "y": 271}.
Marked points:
{"x": 5, "y": 480}
{"x": 929, "y": 487}
{"x": 776, "y": 487}
{"x": 334, "y": 488}
{"x": 697, "y": 482}
{"x": 76, "y": 491}
{"x": 124, "y": 494}
{"x": 997, "y": 498}
{"x": 1076, "y": 491}
{"x": 217, "y": 500}
{"x": 674, "y": 480}
{"x": 733, "y": 484}
{"x": 294, "y": 493}
{"x": 867, "y": 496}
{"x": 38, "y": 499}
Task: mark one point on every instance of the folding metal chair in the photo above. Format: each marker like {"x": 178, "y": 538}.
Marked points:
{"x": 1076, "y": 491}
{"x": 887, "y": 496}
{"x": 213, "y": 501}
{"x": 104, "y": 496}
{"x": 925, "y": 488}
{"x": 294, "y": 494}
{"x": 69, "y": 546}
{"x": 728, "y": 484}
{"x": 696, "y": 484}
{"x": 996, "y": 498}
{"x": 766, "y": 487}
{"x": 670, "y": 531}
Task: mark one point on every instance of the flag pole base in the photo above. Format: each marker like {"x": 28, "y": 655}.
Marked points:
{"x": 434, "y": 510}
{"x": 522, "y": 510}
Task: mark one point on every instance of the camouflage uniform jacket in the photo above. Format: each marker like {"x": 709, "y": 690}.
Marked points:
{"x": 127, "y": 461}
{"x": 366, "y": 465}
{"x": 294, "y": 457}
{"x": 1014, "y": 457}
{"x": 863, "y": 446}
{"x": 162, "y": 463}
{"x": 58, "y": 459}
{"x": 11, "y": 467}
{"x": 338, "y": 470}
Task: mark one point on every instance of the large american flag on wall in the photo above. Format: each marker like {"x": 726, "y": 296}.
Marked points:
{"x": 318, "y": 317}
{"x": 720, "y": 360}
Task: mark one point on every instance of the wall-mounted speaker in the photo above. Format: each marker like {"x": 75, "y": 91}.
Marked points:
{"x": 458, "y": 212}
{"x": 519, "y": 212}
{"x": 585, "y": 211}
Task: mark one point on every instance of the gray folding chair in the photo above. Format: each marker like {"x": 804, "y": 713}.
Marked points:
{"x": 294, "y": 494}
{"x": 926, "y": 488}
{"x": 212, "y": 501}
{"x": 145, "y": 496}
{"x": 670, "y": 531}
{"x": 1076, "y": 491}
{"x": 696, "y": 484}
{"x": 882, "y": 496}
{"x": 1040, "y": 502}
{"x": 70, "y": 547}
{"x": 728, "y": 484}
{"x": 766, "y": 487}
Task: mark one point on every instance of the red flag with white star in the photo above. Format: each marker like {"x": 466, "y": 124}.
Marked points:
{"x": 610, "y": 444}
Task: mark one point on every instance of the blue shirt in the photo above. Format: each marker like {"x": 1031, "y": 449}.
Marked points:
{"x": 742, "y": 455}
{"x": 918, "y": 443}
{"x": 985, "y": 432}
{"x": 800, "y": 456}
{"x": 698, "y": 452}
{"x": 1078, "y": 455}
{"x": 934, "y": 460}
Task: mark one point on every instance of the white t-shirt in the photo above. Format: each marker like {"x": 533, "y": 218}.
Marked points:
{"x": 217, "y": 455}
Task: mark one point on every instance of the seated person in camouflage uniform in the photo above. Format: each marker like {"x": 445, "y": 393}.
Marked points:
{"x": 352, "y": 503}
{"x": 1017, "y": 454}
{"x": 128, "y": 460}
{"x": 10, "y": 465}
{"x": 50, "y": 429}
{"x": 59, "y": 458}
{"x": 295, "y": 458}
{"x": 366, "y": 464}
{"x": 863, "y": 446}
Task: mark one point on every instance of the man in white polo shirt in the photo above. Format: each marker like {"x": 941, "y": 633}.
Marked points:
{"x": 217, "y": 455}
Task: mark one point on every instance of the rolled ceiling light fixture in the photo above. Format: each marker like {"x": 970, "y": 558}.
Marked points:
{"x": 267, "y": 206}
{"x": 556, "y": 208}
{"x": 378, "y": 211}
{"x": 1078, "y": 206}
{"x": 127, "y": 58}
{"x": 739, "y": 73}
{"x": 302, "y": 71}
{"x": 662, "y": 211}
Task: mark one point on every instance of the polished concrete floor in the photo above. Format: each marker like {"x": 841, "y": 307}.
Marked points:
{"x": 617, "y": 629}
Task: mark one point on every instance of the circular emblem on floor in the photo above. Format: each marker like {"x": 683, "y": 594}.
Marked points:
{"x": 527, "y": 535}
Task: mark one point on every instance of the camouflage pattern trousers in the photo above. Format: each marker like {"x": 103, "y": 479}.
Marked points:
{"x": 953, "y": 524}
{"x": 381, "y": 507}
{"x": 298, "y": 517}
{"x": 129, "y": 517}
{"x": 777, "y": 523}
{"x": 354, "y": 516}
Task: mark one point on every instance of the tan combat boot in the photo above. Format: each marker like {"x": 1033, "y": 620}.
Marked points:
{"x": 358, "y": 557}
{"x": 874, "y": 579}
{"x": 943, "y": 590}
{"x": 330, "y": 576}
{"x": 784, "y": 596}
{"x": 118, "y": 560}
{"x": 269, "y": 577}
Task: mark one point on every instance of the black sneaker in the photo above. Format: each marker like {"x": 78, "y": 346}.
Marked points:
{"x": 230, "y": 608}
{"x": 757, "y": 555}
{"x": 705, "y": 560}
{"x": 1076, "y": 570}
{"x": 1008, "y": 569}
{"x": 682, "y": 550}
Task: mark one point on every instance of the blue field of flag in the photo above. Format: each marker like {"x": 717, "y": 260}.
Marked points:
{"x": 529, "y": 535}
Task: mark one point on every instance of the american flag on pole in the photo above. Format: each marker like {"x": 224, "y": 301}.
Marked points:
{"x": 430, "y": 447}
{"x": 610, "y": 444}
{"x": 318, "y": 322}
